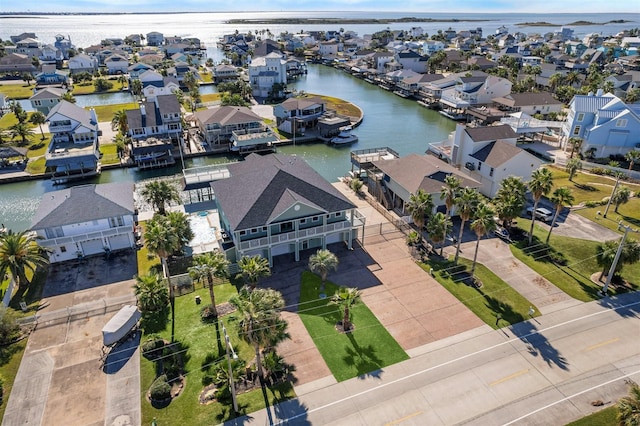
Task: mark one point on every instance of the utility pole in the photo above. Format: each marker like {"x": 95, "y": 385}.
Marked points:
{"x": 232, "y": 385}
{"x": 616, "y": 259}
{"x": 615, "y": 187}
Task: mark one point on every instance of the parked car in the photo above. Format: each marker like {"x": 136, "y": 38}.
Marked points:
{"x": 541, "y": 214}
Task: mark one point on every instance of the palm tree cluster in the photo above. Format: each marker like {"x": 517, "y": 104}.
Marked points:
{"x": 160, "y": 194}
{"x": 21, "y": 129}
{"x": 606, "y": 253}
{"x": 629, "y": 407}
{"x": 20, "y": 257}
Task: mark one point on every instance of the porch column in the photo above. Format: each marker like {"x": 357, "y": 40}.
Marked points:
{"x": 297, "y": 251}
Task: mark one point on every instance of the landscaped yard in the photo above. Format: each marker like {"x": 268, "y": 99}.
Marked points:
{"x": 365, "y": 350}
{"x": 628, "y": 214}
{"x": 106, "y": 112}
{"x": 109, "y": 154}
{"x": 210, "y": 97}
{"x": 604, "y": 417}
{"x": 17, "y": 91}
{"x": 574, "y": 278}
{"x": 339, "y": 105}
{"x": 495, "y": 297}
{"x": 10, "y": 357}
{"x": 203, "y": 348}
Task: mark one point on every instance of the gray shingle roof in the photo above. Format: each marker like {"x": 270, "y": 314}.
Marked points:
{"x": 83, "y": 204}
{"x": 497, "y": 153}
{"x": 73, "y": 112}
{"x": 490, "y": 133}
{"x": 226, "y": 115}
{"x": 261, "y": 188}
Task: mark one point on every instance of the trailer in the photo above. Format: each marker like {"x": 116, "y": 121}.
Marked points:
{"x": 119, "y": 328}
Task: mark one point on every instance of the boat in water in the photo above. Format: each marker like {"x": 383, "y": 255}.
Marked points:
{"x": 345, "y": 137}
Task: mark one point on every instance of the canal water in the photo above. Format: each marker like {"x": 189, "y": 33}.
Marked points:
{"x": 389, "y": 120}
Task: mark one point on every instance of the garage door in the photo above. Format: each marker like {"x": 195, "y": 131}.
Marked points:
{"x": 281, "y": 249}
{"x": 92, "y": 247}
{"x": 118, "y": 242}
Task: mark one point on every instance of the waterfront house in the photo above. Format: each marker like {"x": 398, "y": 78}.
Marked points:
{"x": 155, "y": 38}
{"x": 430, "y": 47}
{"x": 50, "y": 55}
{"x": 85, "y": 220}
{"x": 73, "y": 151}
{"x": 45, "y": 99}
{"x": 411, "y": 60}
{"x": 604, "y": 122}
{"x": 154, "y": 84}
{"x": 473, "y": 88}
{"x": 116, "y": 64}
{"x": 153, "y": 60}
{"x": 180, "y": 69}
{"x": 154, "y": 128}
{"x": 487, "y": 154}
{"x": 217, "y": 125}
{"x": 82, "y": 63}
{"x": 531, "y": 103}
{"x": 265, "y": 71}
{"x": 50, "y": 76}
{"x": 64, "y": 45}
{"x": 329, "y": 49}
{"x": 288, "y": 208}
{"x": 224, "y": 72}
{"x": 392, "y": 181}
{"x": 300, "y": 113}
{"x": 17, "y": 63}
{"x": 136, "y": 69}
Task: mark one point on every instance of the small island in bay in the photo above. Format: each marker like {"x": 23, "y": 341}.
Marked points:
{"x": 340, "y": 21}
{"x": 575, "y": 24}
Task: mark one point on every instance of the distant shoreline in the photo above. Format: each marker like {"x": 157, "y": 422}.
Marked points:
{"x": 352, "y": 21}
{"x": 572, "y": 24}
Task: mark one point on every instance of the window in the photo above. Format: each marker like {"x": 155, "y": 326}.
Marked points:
{"x": 254, "y": 230}
{"x": 580, "y": 117}
{"x": 303, "y": 221}
{"x": 621, "y": 122}
{"x": 479, "y": 165}
{"x": 243, "y": 233}
{"x": 576, "y": 131}
{"x": 491, "y": 172}
{"x": 339, "y": 214}
{"x": 63, "y": 249}
{"x": 286, "y": 227}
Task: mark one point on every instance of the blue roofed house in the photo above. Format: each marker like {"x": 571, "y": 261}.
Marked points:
{"x": 51, "y": 76}
{"x": 73, "y": 151}
{"x": 86, "y": 220}
{"x": 288, "y": 208}
{"x": 604, "y": 122}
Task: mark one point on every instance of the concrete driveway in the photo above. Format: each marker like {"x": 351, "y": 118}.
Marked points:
{"x": 60, "y": 380}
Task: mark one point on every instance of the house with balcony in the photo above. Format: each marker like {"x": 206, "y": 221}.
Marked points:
{"x": 117, "y": 64}
{"x": 154, "y": 128}
{"x": 136, "y": 69}
{"x": 155, "y": 38}
{"x": 298, "y": 113}
{"x": 487, "y": 154}
{"x": 287, "y": 209}
{"x": 154, "y": 84}
{"x": 392, "y": 180}
{"x": 64, "y": 44}
{"x": 73, "y": 151}
{"x": 265, "y": 72}
{"x": 530, "y": 103}
{"x": 86, "y": 220}
{"x": 217, "y": 125}
{"x": 412, "y": 60}
{"x": 50, "y": 76}
{"x": 17, "y": 63}
{"x": 472, "y": 90}
{"x": 225, "y": 72}
{"x": 45, "y": 99}
{"x": 82, "y": 63}
{"x": 604, "y": 122}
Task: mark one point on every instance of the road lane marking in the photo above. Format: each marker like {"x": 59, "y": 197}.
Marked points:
{"x": 513, "y": 376}
{"x": 452, "y": 361}
{"x": 410, "y": 416}
{"x": 599, "y": 345}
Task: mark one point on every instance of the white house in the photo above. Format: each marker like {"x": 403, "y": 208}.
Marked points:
{"x": 86, "y": 220}
{"x": 154, "y": 84}
{"x": 475, "y": 88}
{"x": 329, "y": 49}
{"x": 265, "y": 71}
{"x": 116, "y": 64}
{"x": 83, "y": 63}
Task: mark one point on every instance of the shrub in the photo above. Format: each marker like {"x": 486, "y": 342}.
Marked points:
{"x": 152, "y": 348}
{"x": 160, "y": 389}
{"x": 9, "y": 328}
{"x": 208, "y": 313}
{"x": 207, "y": 379}
{"x": 599, "y": 171}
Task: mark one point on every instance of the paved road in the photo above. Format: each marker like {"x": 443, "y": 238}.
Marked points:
{"x": 545, "y": 371}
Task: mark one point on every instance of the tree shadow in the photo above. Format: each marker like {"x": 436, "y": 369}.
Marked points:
{"x": 626, "y": 305}
{"x": 292, "y": 412}
{"x": 363, "y": 358}
{"x": 501, "y": 310}
{"x": 7, "y": 352}
{"x": 584, "y": 187}
{"x": 539, "y": 345}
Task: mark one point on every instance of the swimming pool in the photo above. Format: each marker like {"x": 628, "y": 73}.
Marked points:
{"x": 204, "y": 233}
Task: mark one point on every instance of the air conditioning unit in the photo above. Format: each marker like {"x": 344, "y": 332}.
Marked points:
{"x": 469, "y": 166}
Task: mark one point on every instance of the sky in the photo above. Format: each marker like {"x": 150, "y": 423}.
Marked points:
{"x": 461, "y": 6}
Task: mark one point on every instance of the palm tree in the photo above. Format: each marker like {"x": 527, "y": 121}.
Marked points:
{"x": 119, "y": 122}
{"x": 162, "y": 240}
{"x": 19, "y": 254}
{"x": 632, "y": 157}
{"x": 449, "y": 193}
{"x": 572, "y": 167}
{"x": 510, "y": 200}
{"x": 437, "y": 228}
{"x": 482, "y": 224}
{"x": 419, "y": 206}
{"x": 38, "y": 119}
{"x": 181, "y": 226}
{"x": 629, "y": 407}
{"x": 466, "y": 203}
{"x": 633, "y": 96}
{"x": 321, "y": 263}
{"x": 136, "y": 88}
{"x": 252, "y": 269}
{"x": 151, "y": 293}
{"x": 345, "y": 298}
{"x": 621, "y": 196}
{"x": 576, "y": 145}
{"x": 540, "y": 184}
{"x": 605, "y": 255}
{"x": 560, "y": 198}
{"x": 21, "y": 130}
{"x": 210, "y": 266}
{"x": 259, "y": 319}
{"x": 159, "y": 194}
{"x": 555, "y": 80}
{"x": 68, "y": 96}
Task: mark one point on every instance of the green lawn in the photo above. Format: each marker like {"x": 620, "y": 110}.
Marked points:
{"x": 17, "y": 91}
{"x": 495, "y": 297}
{"x": 89, "y": 89}
{"x": 604, "y": 417}
{"x": 146, "y": 261}
{"x": 36, "y": 167}
{"x": 200, "y": 341}
{"x": 210, "y": 97}
{"x": 628, "y": 214}
{"x": 339, "y": 105}
{"x": 10, "y": 357}
{"x": 365, "y": 350}
{"x": 575, "y": 277}
{"x": 109, "y": 154}
{"x": 106, "y": 112}
{"x": 39, "y": 147}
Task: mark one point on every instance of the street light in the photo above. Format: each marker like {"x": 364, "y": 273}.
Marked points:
{"x": 612, "y": 270}
{"x": 232, "y": 385}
